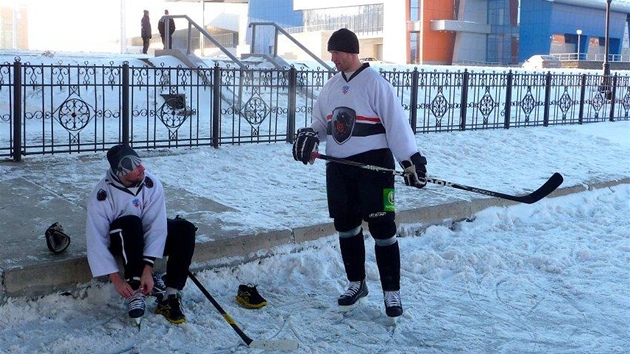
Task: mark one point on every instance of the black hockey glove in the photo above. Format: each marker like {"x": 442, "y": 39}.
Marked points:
{"x": 415, "y": 170}
{"x": 56, "y": 238}
{"x": 305, "y": 143}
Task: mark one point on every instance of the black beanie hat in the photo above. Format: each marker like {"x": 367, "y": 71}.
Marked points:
{"x": 344, "y": 40}
{"x": 123, "y": 159}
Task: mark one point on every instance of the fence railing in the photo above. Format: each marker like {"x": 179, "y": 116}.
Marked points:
{"x": 47, "y": 109}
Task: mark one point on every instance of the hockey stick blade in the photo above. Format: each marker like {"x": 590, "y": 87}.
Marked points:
{"x": 283, "y": 345}
{"x": 549, "y": 186}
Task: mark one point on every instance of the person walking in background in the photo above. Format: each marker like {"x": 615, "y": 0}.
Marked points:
{"x": 162, "y": 30}
{"x": 145, "y": 31}
{"x": 126, "y": 218}
{"x": 359, "y": 116}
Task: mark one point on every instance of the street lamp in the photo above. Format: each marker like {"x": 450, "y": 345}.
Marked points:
{"x": 579, "y": 33}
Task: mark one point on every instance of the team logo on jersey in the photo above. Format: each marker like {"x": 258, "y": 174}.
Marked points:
{"x": 148, "y": 182}
{"x": 343, "y": 121}
{"x": 101, "y": 195}
{"x": 345, "y": 89}
{"x": 136, "y": 202}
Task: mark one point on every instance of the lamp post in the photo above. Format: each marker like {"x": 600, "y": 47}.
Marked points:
{"x": 606, "y": 79}
{"x": 579, "y": 33}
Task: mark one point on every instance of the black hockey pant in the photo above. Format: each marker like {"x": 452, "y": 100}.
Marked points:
{"x": 128, "y": 243}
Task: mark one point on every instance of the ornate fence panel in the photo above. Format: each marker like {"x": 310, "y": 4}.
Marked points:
{"x": 439, "y": 101}
{"x": 56, "y": 108}
{"x": 254, "y": 105}
{"x": 63, "y": 106}
{"x": 170, "y": 106}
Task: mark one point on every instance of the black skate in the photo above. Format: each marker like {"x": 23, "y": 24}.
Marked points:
{"x": 356, "y": 291}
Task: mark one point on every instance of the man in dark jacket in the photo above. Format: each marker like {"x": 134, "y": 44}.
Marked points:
{"x": 162, "y": 29}
{"x": 145, "y": 31}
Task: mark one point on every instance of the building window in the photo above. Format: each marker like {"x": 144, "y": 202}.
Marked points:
{"x": 360, "y": 19}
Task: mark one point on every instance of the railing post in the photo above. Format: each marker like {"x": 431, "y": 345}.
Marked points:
{"x": 126, "y": 122}
{"x": 547, "y": 99}
{"x": 275, "y": 42}
{"x": 508, "y": 101}
{"x": 292, "y": 103}
{"x": 189, "y": 41}
{"x": 17, "y": 111}
{"x": 464, "y": 101}
{"x": 582, "y": 96}
{"x": 253, "y": 45}
{"x": 413, "y": 100}
{"x": 612, "y": 99}
{"x": 216, "y": 105}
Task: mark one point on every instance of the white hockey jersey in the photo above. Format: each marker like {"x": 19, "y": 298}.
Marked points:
{"x": 110, "y": 200}
{"x": 362, "y": 114}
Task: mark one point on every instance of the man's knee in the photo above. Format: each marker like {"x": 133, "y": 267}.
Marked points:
{"x": 127, "y": 222}
{"x": 183, "y": 229}
{"x": 127, "y": 228}
{"x": 347, "y": 226}
{"x": 383, "y": 232}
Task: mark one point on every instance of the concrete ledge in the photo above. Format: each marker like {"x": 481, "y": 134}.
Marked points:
{"x": 240, "y": 245}
{"x": 45, "y": 279}
{"x": 52, "y": 275}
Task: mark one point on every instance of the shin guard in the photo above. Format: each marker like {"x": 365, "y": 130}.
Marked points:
{"x": 353, "y": 255}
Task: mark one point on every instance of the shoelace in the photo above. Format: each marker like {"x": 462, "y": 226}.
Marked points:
{"x": 159, "y": 282}
{"x": 353, "y": 289}
{"x": 136, "y": 301}
{"x": 392, "y": 298}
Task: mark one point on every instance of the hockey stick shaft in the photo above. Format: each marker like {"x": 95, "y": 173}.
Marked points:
{"x": 260, "y": 344}
{"x": 227, "y": 317}
{"x": 549, "y": 186}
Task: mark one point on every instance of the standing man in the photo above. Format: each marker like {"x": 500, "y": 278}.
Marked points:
{"x": 162, "y": 29}
{"x": 360, "y": 118}
{"x": 145, "y": 31}
{"x": 126, "y": 218}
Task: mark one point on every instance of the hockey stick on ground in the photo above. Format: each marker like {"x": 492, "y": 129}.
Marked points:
{"x": 552, "y": 183}
{"x": 252, "y": 343}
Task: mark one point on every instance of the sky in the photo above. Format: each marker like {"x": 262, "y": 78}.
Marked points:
{"x": 551, "y": 277}
{"x": 96, "y": 25}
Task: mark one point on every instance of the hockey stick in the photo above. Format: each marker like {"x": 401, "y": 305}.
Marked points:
{"x": 260, "y": 344}
{"x": 552, "y": 183}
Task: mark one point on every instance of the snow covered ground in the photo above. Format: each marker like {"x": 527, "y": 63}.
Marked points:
{"x": 551, "y": 277}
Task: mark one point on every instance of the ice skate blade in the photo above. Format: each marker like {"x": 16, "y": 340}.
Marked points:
{"x": 346, "y": 308}
{"x": 393, "y": 320}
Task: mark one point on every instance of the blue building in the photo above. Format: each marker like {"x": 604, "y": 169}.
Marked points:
{"x": 503, "y": 32}
{"x": 553, "y": 27}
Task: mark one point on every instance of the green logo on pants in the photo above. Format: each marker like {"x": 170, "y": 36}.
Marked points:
{"x": 388, "y": 200}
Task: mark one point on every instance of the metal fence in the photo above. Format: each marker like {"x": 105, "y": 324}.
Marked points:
{"x": 48, "y": 109}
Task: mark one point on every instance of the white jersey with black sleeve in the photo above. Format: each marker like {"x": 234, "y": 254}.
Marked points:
{"x": 110, "y": 200}
{"x": 360, "y": 113}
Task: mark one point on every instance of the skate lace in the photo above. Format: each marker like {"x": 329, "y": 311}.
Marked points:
{"x": 136, "y": 301}
{"x": 392, "y": 298}
{"x": 353, "y": 289}
{"x": 159, "y": 286}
